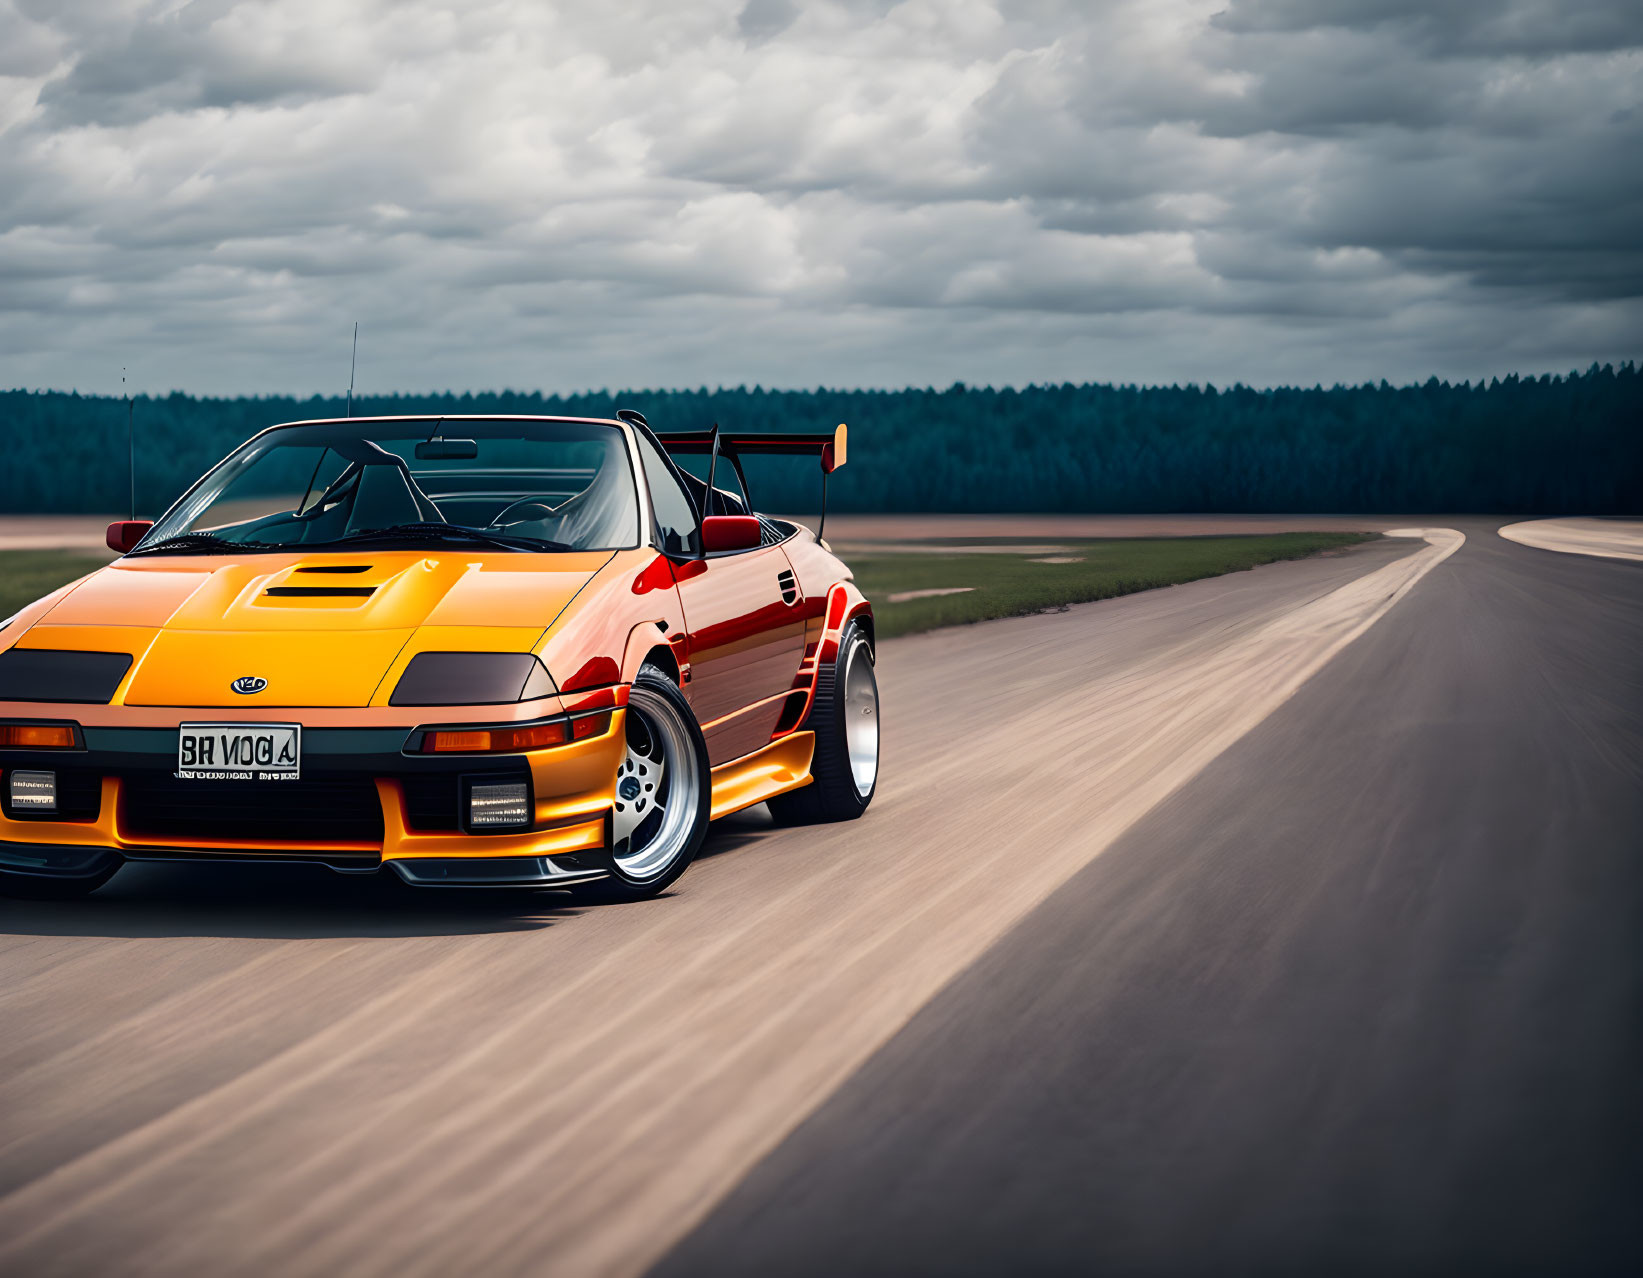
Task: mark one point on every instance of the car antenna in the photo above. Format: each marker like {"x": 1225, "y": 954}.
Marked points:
{"x": 353, "y": 363}
{"x": 131, "y": 443}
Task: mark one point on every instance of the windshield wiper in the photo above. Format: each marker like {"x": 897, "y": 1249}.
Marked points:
{"x": 444, "y": 532}
{"x": 203, "y": 542}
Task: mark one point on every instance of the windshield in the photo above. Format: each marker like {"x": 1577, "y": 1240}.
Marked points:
{"x": 516, "y": 485}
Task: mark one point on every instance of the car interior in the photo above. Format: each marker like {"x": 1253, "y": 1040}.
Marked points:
{"x": 730, "y": 503}
{"x": 574, "y": 493}
{"x": 589, "y": 506}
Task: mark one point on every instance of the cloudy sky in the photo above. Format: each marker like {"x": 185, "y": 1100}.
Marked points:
{"x": 560, "y": 195}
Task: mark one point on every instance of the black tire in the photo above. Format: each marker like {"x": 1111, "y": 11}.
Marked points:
{"x": 51, "y": 887}
{"x": 836, "y": 794}
{"x": 655, "y": 694}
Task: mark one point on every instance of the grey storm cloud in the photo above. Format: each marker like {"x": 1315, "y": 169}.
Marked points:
{"x": 792, "y": 192}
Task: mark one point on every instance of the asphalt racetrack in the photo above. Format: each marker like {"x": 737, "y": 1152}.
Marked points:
{"x": 1280, "y": 922}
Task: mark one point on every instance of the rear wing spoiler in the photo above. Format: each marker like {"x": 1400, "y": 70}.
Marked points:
{"x": 831, "y": 447}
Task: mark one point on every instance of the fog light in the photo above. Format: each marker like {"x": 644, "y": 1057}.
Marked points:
{"x": 34, "y": 791}
{"x": 494, "y": 805}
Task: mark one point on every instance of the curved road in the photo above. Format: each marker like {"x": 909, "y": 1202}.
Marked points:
{"x": 1610, "y": 538}
{"x": 1281, "y": 922}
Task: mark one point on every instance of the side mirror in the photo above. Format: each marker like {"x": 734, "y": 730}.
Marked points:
{"x": 123, "y": 534}
{"x": 730, "y": 532}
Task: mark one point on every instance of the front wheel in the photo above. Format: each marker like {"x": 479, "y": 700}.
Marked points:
{"x": 663, "y": 792}
{"x": 844, "y": 715}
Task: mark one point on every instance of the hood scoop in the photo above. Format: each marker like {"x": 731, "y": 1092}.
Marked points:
{"x": 320, "y": 592}
{"x": 317, "y": 590}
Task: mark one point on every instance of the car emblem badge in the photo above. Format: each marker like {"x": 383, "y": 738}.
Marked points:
{"x": 245, "y": 685}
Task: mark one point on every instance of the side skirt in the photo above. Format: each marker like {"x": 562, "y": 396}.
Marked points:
{"x": 781, "y": 766}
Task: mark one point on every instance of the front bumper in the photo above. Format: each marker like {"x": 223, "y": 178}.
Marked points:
{"x": 363, "y": 802}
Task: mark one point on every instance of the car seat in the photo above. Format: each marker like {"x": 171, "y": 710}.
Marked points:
{"x": 385, "y": 497}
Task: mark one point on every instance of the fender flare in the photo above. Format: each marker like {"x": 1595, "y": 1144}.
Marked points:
{"x": 645, "y": 638}
{"x": 844, "y": 604}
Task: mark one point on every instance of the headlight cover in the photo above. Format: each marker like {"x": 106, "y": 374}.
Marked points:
{"x": 472, "y": 679}
{"x": 47, "y": 674}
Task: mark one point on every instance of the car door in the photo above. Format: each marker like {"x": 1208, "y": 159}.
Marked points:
{"x": 745, "y": 630}
{"x": 744, "y": 620}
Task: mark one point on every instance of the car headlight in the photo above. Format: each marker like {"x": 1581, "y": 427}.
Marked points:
{"x": 46, "y": 674}
{"x": 472, "y": 679}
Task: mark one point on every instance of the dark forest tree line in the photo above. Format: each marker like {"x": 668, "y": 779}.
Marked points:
{"x": 1514, "y": 445}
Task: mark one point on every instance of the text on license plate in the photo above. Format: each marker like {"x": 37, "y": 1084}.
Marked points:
{"x": 239, "y": 751}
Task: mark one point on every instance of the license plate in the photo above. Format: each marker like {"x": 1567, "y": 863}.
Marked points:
{"x": 239, "y": 752}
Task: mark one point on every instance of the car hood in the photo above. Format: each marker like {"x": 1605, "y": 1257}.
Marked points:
{"x": 320, "y": 630}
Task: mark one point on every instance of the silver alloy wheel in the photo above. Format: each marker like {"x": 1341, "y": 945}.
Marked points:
{"x": 658, "y": 785}
{"x": 861, "y": 718}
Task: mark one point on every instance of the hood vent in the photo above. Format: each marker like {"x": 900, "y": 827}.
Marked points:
{"x": 320, "y": 592}
{"x": 335, "y": 568}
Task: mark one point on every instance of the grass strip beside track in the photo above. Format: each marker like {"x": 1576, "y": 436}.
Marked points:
{"x": 1000, "y": 584}
{"x": 25, "y": 575}
{"x": 1013, "y": 585}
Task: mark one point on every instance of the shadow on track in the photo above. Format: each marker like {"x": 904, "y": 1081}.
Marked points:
{"x": 283, "y": 901}
{"x": 743, "y": 829}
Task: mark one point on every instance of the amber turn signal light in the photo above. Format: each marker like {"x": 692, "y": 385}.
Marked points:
{"x": 37, "y": 736}
{"x": 510, "y": 740}
{"x": 494, "y": 740}
{"x": 592, "y": 725}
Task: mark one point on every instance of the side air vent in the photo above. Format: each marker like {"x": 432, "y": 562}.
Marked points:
{"x": 320, "y": 592}
{"x": 790, "y": 586}
{"x": 336, "y": 568}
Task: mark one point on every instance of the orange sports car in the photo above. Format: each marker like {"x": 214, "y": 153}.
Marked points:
{"x": 484, "y": 651}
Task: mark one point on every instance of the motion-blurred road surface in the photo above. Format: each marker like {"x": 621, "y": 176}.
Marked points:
{"x": 1284, "y": 920}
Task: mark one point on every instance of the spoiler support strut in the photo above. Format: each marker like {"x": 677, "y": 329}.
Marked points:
{"x": 829, "y": 447}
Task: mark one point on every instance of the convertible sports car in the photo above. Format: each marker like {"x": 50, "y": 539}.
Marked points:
{"x": 484, "y": 651}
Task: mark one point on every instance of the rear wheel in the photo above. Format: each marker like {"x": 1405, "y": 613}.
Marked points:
{"x": 844, "y": 715}
{"x": 663, "y": 792}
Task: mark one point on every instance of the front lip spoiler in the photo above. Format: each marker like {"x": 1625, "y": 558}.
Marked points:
{"x": 500, "y": 871}
{"x": 54, "y": 861}
{"x": 57, "y": 861}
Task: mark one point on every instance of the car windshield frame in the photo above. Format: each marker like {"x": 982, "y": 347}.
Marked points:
{"x": 175, "y": 532}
